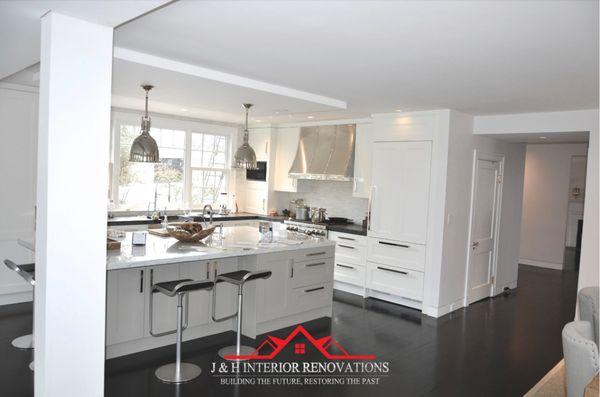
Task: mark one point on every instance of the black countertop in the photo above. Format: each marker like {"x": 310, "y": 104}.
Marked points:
{"x": 350, "y": 228}
{"x": 240, "y": 216}
{"x": 131, "y": 220}
{"x": 143, "y": 220}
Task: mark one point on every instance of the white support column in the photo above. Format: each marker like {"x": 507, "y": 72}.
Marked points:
{"x": 74, "y": 127}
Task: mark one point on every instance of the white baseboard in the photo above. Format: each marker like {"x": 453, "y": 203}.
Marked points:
{"x": 352, "y": 289}
{"x": 547, "y": 265}
{"x": 394, "y": 299}
{"x": 20, "y": 297}
{"x": 443, "y": 310}
{"x": 498, "y": 289}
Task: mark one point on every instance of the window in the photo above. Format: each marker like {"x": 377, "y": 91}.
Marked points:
{"x": 208, "y": 167}
{"x": 299, "y": 348}
{"x": 193, "y": 168}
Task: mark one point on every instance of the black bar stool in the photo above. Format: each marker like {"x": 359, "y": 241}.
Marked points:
{"x": 178, "y": 372}
{"x": 239, "y": 278}
{"x": 27, "y": 272}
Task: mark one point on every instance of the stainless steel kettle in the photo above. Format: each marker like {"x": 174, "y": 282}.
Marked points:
{"x": 318, "y": 215}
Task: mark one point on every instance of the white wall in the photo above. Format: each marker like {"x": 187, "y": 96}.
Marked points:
{"x": 18, "y": 133}
{"x": 545, "y": 203}
{"x": 580, "y": 120}
{"x": 462, "y": 143}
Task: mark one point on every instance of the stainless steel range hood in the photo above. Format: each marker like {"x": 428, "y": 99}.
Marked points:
{"x": 325, "y": 152}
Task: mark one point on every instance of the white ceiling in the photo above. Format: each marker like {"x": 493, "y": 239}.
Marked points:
{"x": 20, "y": 24}
{"x": 485, "y": 57}
{"x": 551, "y": 137}
{"x": 182, "y": 94}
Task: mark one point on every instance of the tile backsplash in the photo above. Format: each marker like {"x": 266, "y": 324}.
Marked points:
{"x": 335, "y": 196}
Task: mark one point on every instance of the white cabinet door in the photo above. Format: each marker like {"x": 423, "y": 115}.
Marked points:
{"x": 287, "y": 145}
{"x": 226, "y": 293}
{"x": 125, "y": 305}
{"x": 400, "y": 191}
{"x": 200, "y": 301}
{"x": 260, "y": 140}
{"x": 165, "y": 308}
{"x": 272, "y": 293}
{"x": 256, "y": 197}
{"x": 362, "y": 161}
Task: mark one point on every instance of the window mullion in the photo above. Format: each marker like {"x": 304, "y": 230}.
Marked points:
{"x": 187, "y": 171}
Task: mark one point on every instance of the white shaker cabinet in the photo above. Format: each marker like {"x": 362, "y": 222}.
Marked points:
{"x": 164, "y": 307}
{"x": 272, "y": 293}
{"x": 125, "y": 305}
{"x": 199, "y": 310}
{"x": 287, "y": 145}
{"x": 260, "y": 140}
{"x": 257, "y": 197}
{"x": 400, "y": 191}
{"x": 227, "y": 293}
{"x": 362, "y": 161}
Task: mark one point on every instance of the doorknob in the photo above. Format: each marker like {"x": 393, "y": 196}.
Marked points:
{"x": 475, "y": 244}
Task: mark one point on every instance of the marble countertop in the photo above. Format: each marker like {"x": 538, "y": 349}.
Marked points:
{"x": 234, "y": 241}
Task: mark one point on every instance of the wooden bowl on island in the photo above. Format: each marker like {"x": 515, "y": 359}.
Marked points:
{"x": 189, "y": 232}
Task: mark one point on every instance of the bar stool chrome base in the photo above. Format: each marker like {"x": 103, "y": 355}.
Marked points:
{"x": 187, "y": 372}
{"x": 23, "y": 342}
{"x": 232, "y": 351}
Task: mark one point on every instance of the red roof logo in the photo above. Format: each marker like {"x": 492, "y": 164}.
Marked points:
{"x": 323, "y": 345}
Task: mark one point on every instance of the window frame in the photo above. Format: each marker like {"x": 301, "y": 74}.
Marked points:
{"x": 189, "y": 127}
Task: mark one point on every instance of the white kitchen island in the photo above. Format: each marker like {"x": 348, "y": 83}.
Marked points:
{"x": 299, "y": 289}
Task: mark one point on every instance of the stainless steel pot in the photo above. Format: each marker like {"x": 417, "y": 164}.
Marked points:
{"x": 302, "y": 213}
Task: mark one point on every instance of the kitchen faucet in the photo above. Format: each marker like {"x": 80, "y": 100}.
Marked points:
{"x": 155, "y": 199}
{"x": 210, "y": 212}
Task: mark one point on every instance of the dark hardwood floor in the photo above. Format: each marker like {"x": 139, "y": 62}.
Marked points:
{"x": 496, "y": 347}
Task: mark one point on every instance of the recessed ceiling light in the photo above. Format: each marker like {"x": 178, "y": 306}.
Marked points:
{"x": 258, "y": 121}
{"x": 397, "y": 110}
{"x": 310, "y": 117}
{"x": 183, "y": 109}
{"x": 543, "y": 137}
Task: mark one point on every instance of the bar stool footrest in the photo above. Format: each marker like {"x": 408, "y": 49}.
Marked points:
{"x": 232, "y": 351}
{"x": 23, "y": 342}
{"x": 188, "y": 372}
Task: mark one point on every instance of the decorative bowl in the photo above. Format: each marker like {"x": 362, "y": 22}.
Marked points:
{"x": 189, "y": 232}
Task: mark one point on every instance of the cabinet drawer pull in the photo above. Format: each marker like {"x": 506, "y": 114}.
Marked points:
{"x": 346, "y": 246}
{"x": 313, "y": 289}
{"x": 345, "y": 266}
{"x": 315, "y": 253}
{"x": 346, "y": 238}
{"x": 394, "y": 244}
{"x": 391, "y": 270}
{"x": 315, "y": 264}
{"x": 141, "y": 281}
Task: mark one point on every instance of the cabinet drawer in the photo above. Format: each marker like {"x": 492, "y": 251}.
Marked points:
{"x": 311, "y": 297}
{"x": 349, "y": 273}
{"x": 347, "y": 238}
{"x": 313, "y": 253}
{"x": 312, "y": 272}
{"x": 395, "y": 280}
{"x": 351, "y": 253}
{"x": 406, "y": 255}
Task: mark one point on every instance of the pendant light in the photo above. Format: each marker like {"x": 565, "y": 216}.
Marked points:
{"x": 245, "y": 157}
{"x": 144, "y": 148}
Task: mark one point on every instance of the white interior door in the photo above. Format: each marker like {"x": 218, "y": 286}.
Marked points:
{"x": 484, "y": 218}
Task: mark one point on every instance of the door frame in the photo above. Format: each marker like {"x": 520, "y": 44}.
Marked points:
{"x": 495, "y": 157}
